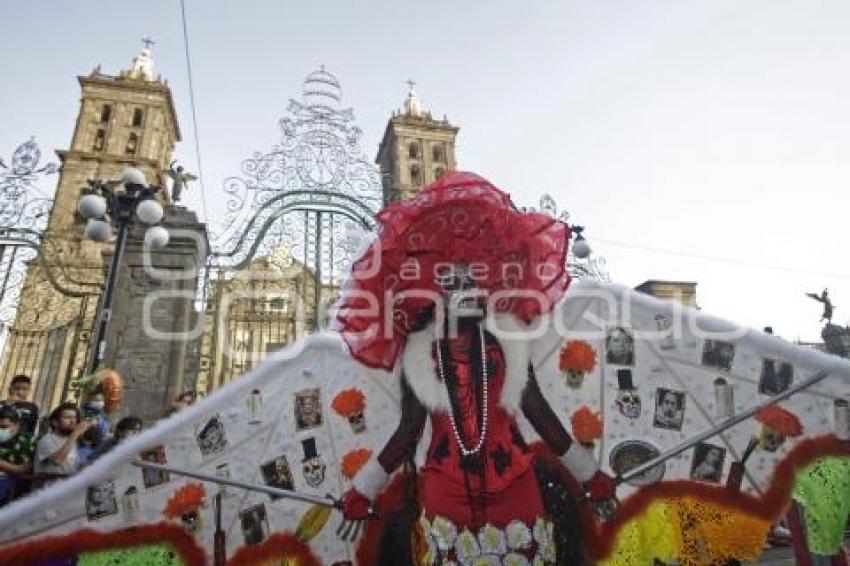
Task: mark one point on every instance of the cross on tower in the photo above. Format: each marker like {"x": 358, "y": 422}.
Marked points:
{"x": 148, "y": 42}
{"x": 411, "y": 83}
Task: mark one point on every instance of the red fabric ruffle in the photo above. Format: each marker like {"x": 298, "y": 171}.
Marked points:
{"x": 460, "y": 218}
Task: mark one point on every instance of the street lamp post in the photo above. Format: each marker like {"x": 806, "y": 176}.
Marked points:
{"x": 104, "y": 206}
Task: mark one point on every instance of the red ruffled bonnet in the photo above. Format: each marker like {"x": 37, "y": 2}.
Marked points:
{"x": 459, "y": 218}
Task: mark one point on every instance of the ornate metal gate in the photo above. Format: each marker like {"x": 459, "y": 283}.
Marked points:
{"x": 42, "y": 307}
{"x": 295, "y": 218}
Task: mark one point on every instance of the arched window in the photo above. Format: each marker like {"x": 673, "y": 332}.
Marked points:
{"x": 105, "y": 114}
{"x": 99, "y": 140}
{"x": 437, "y": 153}
{"x": 413, "y": 150}
{"x": 138, "y": 117}
{"x": 132, "y": 144}
{"x": 415, "y": 175}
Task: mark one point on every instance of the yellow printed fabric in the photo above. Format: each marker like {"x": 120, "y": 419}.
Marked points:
{"x": 714, "y": 534}
{"x": 689, "y": 530}
{"x": 652, "y": 534}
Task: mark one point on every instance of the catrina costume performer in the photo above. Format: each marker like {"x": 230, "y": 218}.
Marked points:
{"x": 445, "y": 296}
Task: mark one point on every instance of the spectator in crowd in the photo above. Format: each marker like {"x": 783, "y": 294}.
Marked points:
{"x": 56, "y": 452}
{"x": 19, "y": 392}
{"x": 183, "y": 400}
{"x": 16, "y": 452}
{"x": 95, "y": 408}
{"x": 126, "y": 428}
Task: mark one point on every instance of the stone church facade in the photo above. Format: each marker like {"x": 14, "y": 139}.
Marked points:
{"x": 129, "y": 120}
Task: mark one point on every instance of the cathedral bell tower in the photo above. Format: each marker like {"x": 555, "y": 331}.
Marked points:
{"x": 415, "y": 150}
{"x": 124, "y": 121}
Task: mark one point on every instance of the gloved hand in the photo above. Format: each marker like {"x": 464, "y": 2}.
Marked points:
{"x": 600, "y": 487}
{"x": 355, "y": 505}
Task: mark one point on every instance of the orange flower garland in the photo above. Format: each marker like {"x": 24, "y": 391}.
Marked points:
{"x": 187, "y": 499}
{"x": 354, "y": 460}
{"x": 781, "y": 421}
{"x": 577, "y": 356}
{"x": 587, "y": 426}
{"x": 349, "y": 402}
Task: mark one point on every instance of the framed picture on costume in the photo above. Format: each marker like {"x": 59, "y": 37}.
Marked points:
{"x": 669, "y": 409}
{"x": 211, "y": 436}
{"x": 620, "y": 346}
{"x": 276, "y": 473}
{"x": 718, "y": 354}
{"x": 308, "y": 409}
{"x": 101, "y": 500}
{"x": 707, "y": 464}
{"x": 254, "y": 523}
{"x": 776, "y": 377}
{"x": 152, "y": 477}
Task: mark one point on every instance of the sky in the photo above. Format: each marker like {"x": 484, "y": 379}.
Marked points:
{"x": 699, "y": 141}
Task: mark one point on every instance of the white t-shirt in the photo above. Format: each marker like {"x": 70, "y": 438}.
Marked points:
{"x": 47, "y": 446}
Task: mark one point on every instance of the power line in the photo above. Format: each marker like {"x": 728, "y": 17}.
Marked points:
{"x": 194, "y": 113}
{"x": 719, "y": 259}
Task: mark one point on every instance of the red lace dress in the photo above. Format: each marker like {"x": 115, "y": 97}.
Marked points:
{"x": 486, "y": 505}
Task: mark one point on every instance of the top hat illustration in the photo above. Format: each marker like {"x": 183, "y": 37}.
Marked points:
{"x": 309, "y": 445}
{"x": 624, "y": 380}
{"x": 628, "y": 398}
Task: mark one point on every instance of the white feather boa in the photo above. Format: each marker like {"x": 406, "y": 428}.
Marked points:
{"x": 421, "y": 373}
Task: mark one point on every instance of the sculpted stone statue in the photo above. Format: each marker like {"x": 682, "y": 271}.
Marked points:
{"x": 827, "y": 304}
{"x": 180, "y": 179}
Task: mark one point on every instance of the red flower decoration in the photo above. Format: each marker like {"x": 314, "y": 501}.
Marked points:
{"x": 778, "y": 419}
{"x": 587, "y": 426}
{"x": 349, "y": 402}
{"x": 354, "y": 460}
{"x": 578, "y": 356}
{"x": 187, "y": 499}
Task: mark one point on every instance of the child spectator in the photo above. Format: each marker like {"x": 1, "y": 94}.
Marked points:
{"x": 19, "y": 392}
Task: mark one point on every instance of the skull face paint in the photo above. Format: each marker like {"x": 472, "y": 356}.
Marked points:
{"x": 461, "y": 294}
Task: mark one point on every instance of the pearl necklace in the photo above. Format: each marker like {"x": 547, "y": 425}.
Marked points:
{"x": 484, "y": 417}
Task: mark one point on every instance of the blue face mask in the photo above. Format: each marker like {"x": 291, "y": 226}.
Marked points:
{"x": 5, "y": 434}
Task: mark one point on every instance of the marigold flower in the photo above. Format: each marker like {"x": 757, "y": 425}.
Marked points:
{"x": 354, "y": 460}
{"x": 187, "y": 499}
{"x": 349, "y": 402}
{"x": 577, "y": 356}
{"x": 587, "y": 425}
{"x": 780, "y": 420}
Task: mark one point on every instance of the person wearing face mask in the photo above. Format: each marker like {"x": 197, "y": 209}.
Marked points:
{"x": 16, "y": 451}
{"x": 126, "y": 428}
{"x": 56, "y": 453}
{"x": 95, "y": 408}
